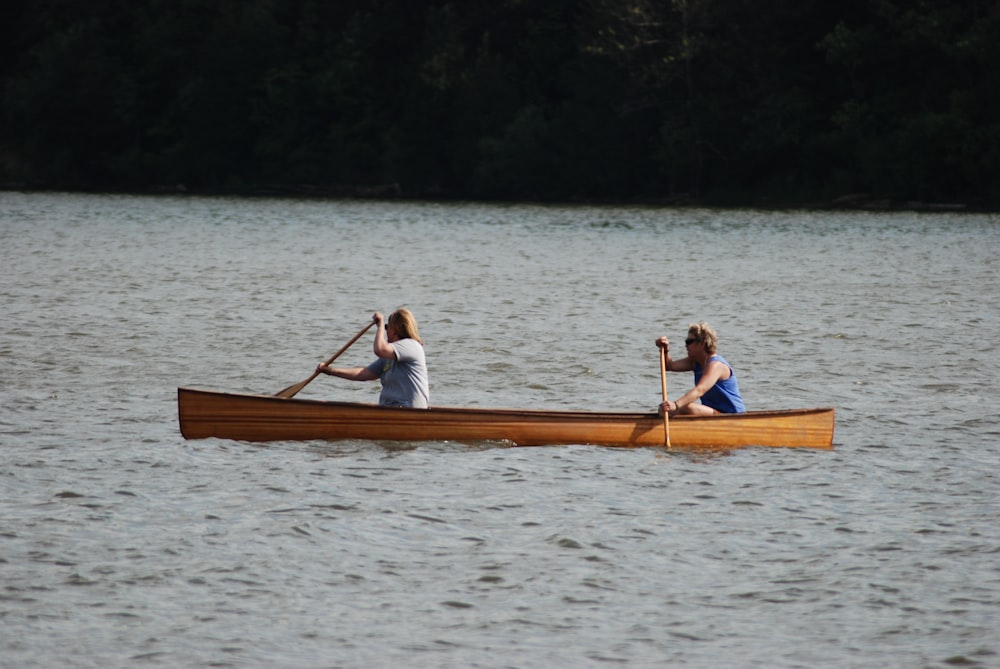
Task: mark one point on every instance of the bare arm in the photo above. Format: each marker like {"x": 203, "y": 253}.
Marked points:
{"x": 682, "y": 365}
{"x": 381, "y": 347}
{"x": 352, "y": 373}
{"x": 714, "y": 372}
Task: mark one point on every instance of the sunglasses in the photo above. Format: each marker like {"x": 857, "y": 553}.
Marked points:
{"x": 688, "y": 342}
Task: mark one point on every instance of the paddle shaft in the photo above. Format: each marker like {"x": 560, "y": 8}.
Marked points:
{"x": 293, "y": 390}
{"x": 663, "y": 383}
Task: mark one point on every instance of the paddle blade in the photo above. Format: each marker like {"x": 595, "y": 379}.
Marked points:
{"x": 293, "y": 390}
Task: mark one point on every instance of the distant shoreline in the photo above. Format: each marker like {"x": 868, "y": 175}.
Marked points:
{"x": 852, "y": 202}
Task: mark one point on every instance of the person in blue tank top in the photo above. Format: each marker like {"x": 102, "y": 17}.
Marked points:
{"x": 714, "y": 379}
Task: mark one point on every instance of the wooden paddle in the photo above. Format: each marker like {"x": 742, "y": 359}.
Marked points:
{"x": 663, "y": 382}
{"x": 293, "y": 390}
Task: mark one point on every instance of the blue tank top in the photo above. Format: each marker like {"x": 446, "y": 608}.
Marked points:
{"x": 724, "y": 396}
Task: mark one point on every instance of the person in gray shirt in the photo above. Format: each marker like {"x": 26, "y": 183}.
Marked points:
{"x": 400, "y": 364}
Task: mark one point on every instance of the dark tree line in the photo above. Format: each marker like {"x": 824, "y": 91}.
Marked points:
{"x": 719, "y": 101}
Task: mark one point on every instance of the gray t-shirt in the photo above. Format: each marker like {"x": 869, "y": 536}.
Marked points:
{"x": 404, "y": 380}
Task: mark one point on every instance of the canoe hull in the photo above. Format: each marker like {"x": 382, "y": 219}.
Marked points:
{"x": 204, "y": 414}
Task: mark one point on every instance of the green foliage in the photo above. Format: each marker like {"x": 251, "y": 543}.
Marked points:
{"x": 700, "y": 100}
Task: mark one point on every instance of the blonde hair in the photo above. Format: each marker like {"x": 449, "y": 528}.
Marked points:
{"x": 703, "y": 332}
{"x": 405, "y": 324}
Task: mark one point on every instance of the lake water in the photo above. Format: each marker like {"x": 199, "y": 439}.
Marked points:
{"x": 123, "y": 545}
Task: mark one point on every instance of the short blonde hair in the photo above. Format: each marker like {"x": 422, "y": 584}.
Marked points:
{"x": 703, "y": 332}
{"x": 405, "y": 324}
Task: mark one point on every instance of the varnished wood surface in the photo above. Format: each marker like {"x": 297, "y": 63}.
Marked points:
{"x": 204, "y": 413}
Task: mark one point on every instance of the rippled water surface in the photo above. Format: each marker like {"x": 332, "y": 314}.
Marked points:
{"x": 123, "y": 545}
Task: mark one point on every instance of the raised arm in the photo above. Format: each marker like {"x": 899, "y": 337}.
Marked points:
{"x": 381, "y": 347}
{"x": 682, "y": 365}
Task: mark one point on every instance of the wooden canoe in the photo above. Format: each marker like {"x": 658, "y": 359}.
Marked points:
{"x": 205, "y": 413}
